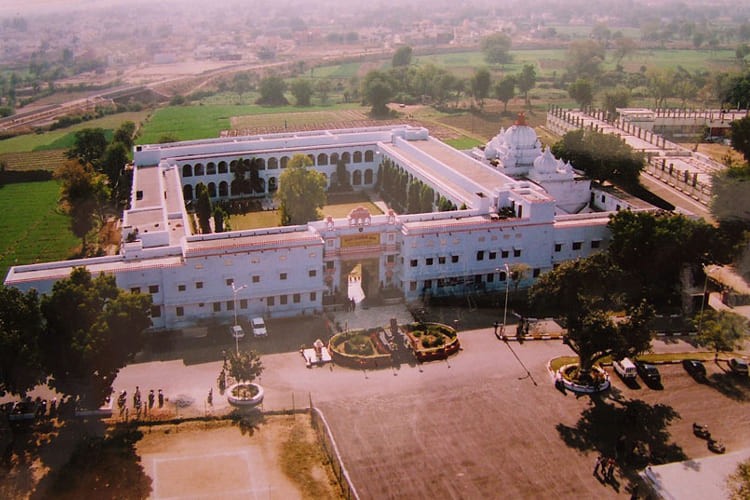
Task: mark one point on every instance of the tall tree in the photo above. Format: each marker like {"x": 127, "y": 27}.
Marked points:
{"x": 88, "y": 146}
{"x": 203, "y": 207}
{"x": 302, "y": 90}
{"x": 241, "y": 83}
{"x": 741, "y": 137}
{"x": 323, "y": 88}
{"x": 526, "y": 81}
{"x": 93, "y": 329}
{"x": 377, "y": 90}
{"x": 584, "y": 58}
{"x": 619, "y": 97}
{"x": 301, "y": 192}
{"x": 402, "y": 56}
{"x": 125, "y": 134}
{"x": 722, "y": 331}
{"x": 84, "y": 194}
{"x": 624, "y": 47}
{"x": 496, "y": 48}
{"x": 581, "y": 92}
{"x": 505, "y": 90}
{"x": 480, "y": 85}
{"x": 20, "y": 327}
{"x": 272, "y": 90}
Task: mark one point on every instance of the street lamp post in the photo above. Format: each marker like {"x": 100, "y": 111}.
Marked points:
{"x": 505, "y": 308}
{"x": 235, "y": 290}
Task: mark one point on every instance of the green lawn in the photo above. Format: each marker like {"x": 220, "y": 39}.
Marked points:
{"x": 32, "y": 229}
{"x": 63, "y": 138}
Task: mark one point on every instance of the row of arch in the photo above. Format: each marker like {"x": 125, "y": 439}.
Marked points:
{"x": 225, "y": 189}
{"x": 322, "y": 159}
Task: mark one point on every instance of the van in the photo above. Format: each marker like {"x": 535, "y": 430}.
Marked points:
{"x": 625, "y": 369}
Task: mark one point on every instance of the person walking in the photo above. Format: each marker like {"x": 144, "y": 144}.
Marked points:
{"x": 611, "y": 469}
{"x": 598, "y": 463}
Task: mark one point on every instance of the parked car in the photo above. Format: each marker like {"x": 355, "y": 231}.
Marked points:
{"x": 259, "y": 327}
{"x": 701, "y": 431}
{"x": 648, "y": 372}
{"x": 625, "y": 369}
{"x": 716, "y": 446}
{"x": 695, "y": 368}
{"x": 738, "y": 366}
{"x": 236, "y": 332}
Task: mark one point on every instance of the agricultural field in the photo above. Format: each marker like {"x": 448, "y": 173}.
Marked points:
{"x": 32, "y": 229}
{"x": 63, "y": 138}
{"x": 34, "y": 160}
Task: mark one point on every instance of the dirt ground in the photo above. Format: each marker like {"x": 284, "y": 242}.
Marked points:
{"x": 224, "y": 459}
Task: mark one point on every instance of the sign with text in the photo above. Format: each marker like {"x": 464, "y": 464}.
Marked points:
{"x": 360, "y": 240}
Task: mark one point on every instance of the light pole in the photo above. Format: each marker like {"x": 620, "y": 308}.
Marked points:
{"x": 507, "y": 286}
{"x": 235, "y": 290}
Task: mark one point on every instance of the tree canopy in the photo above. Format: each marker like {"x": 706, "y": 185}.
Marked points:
{"x": 480, "y": 85}
{"x": 272, "y": 90}
{"x": 402, "y": 57}
{"x": 88, "y": 146}
{"x": 496, "y": 48}
{"x": 722, "y": 331}
{"x": 301, "y": 192}
{"x": 526, "y": 81}
{"x": 93, "y": 329}
{"x": 302, "y": 90}
{"x": 582, "y": 92}
{"x": 377, "y": 90}
{"x": 20, "y": 328}
{"x": 585, "y": 58}
{"x": 741, "y": 136}
{"x": 604, "y": 157}
{"x": 505, "y": 90}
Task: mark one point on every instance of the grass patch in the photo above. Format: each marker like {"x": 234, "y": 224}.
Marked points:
{"x": 272, "y": 218}
{"x": 463, "y": 142}
{"x": 304, "y": 462}
{"x": 653, "y": 357}
{"x": 32, "y": 229}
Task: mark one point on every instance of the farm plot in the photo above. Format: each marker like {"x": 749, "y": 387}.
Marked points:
{"x": 35, "y": 160}
{"x": 32, "y": 229}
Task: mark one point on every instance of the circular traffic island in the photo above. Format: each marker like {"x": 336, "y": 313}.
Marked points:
{"x": 430, "y": 341}
{"x": 245, "y": 395}
{"x": 361, "y": 348}
{"x": 595, "y": 381}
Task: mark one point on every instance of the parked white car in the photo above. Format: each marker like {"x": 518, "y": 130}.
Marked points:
{"x": 625, "y": 368}
{"x": 259, "y": 327}
{"x": 236, "y": 332}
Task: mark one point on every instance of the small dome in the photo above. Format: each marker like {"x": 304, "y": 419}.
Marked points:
{"x": 520, "y": 135}
{"x": 546, "y": 162}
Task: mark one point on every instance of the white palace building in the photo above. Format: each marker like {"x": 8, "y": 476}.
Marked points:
{"x": 518, "y": 205}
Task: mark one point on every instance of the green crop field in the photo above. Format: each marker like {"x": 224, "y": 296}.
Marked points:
{"x": 202, "y": 122}
{"x": 32, "y": 229}
{"x": 63, "y": 138}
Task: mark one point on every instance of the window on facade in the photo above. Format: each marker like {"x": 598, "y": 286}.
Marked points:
{"x": 329, "y": 265}
{"x": 198, "y": 285}
{"x": 516, "y": 252}
{"x": 502, "y": 276}
{"x": 312, "y": 273}
{"x": 243, "y": 303}
{"x": 283, "y": 300}
{"x": 536, "y": 272}
{"x": 181, "y": 288}
{"x": 577, "y": 245}
{"x": 256, "y": 279}
{"x": 155, "y": 311}
{"x": 428, "y": 284}
{"x": 490, "y": 277}
{"x": 230, "y": 281}
{"x": 429, "y": 261}
{"x": 282, "y": 276}
{"x": 454, "y": 259}
{"x": 230, "y": 305}
{"x": 558, "y": 247}
{"x": 153, "y": 289}
{"x": 595, "y": 243}
{"x": 480, "y": 255}
{"x": 296, "y": 298}
{"x": 440, "y": 283}
{"x": 413, "y": 263}
{"x": 180, "y": 311}
{"x": 271, "y": 301}
{"x": 390, "y": 259}
{"x": 217, "y": 307}
{"x": 313, "y": 296}
{"x": 441, "y": 260}
{"x": 135, "y": 289}
{"x": 412, "y": 286}
{"x": 493, "y": 255}
{"x": 504, "y": 254}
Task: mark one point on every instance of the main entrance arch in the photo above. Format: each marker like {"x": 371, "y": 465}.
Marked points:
{"x": 361, "y": 274}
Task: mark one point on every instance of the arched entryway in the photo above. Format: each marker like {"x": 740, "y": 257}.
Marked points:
{"x": 360, "y": 278}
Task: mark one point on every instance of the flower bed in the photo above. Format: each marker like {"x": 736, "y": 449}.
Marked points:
{"x": 245, "y": 395}
{"x": 359, "y": 349}
{"x": 430, "y": 341}
{"x": 599, "y": 381}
